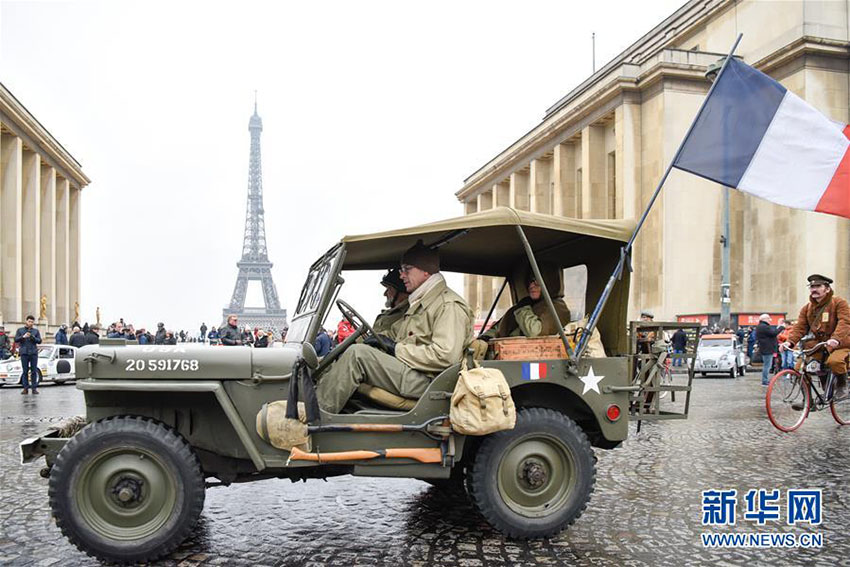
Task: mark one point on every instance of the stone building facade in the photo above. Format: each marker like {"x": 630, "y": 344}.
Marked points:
{"x": 40, "y": 189}
{"x": 600, "y": 151}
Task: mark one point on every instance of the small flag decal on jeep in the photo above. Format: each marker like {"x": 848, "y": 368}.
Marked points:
{"x": 533, "y": 371}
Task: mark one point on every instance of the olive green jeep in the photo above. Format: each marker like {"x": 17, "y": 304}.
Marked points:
{"x": 163, "y": 423}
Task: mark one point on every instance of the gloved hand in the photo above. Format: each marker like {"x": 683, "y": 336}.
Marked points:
{"x": 524, "y": 302}
{"x": 381, "y": 342}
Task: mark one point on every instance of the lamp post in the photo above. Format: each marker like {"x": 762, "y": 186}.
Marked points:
{"x": 725, "y": 297}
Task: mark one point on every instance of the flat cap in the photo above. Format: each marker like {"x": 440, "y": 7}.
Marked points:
{"x": 816, "y": 279}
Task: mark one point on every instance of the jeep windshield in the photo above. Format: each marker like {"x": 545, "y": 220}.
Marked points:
{"x": 316, "y": 288}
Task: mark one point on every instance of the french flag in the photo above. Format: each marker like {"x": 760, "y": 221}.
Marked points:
{"x": 533, "y": 371}
{"x": 757, "y": 136}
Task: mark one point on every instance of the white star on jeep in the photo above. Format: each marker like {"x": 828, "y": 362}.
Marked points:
{"x": 591, "y": 382}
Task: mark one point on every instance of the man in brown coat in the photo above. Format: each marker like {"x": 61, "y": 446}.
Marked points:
{"x": 827, "y": 317}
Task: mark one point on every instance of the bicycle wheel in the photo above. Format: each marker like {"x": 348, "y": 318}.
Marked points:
{"x": 787, "y": 389}
{"x": 841, "y": 410}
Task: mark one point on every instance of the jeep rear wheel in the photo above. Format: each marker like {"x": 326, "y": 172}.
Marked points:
{"x": 536, "y": 479}
{"x": 126, "y": 489}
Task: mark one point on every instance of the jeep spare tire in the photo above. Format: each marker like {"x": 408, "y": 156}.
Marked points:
{"x": 536, "y": 479}
{"x": 126, "y": 489}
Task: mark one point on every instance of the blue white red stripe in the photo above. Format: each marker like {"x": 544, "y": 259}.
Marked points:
{"x": 533, "y": 371}
{"x": 757, "y": 136}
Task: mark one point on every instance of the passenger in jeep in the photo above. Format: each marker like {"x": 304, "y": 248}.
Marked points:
{"x": 530, "y": 317}
{"x": 431, "y": 336}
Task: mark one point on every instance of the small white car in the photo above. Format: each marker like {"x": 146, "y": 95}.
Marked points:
{"x": 48, "y": 358}
{"x": 720, "y": 354}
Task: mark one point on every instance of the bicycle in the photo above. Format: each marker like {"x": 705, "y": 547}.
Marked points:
{"x": 789, "y": 394}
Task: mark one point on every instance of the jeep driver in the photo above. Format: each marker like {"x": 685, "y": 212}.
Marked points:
{"x": 432, "y": 336}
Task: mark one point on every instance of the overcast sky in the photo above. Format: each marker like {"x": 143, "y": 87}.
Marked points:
{"x": 373, "y": 114}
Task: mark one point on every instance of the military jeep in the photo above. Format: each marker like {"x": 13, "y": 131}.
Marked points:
{"x": 163, "y": 423}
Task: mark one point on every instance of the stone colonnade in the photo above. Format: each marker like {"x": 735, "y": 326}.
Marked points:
{"x": 39, "y": 223}
{"x": 580, "y": 177}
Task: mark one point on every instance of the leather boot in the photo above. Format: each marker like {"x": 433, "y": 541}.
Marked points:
{"x": 840, "y": 387}
{"x": 24, "y": 391}
{"x": 34, "y": 391}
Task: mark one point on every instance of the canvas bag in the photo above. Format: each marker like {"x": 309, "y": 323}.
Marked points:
{"x": 280, "y": 431}
{"x": 481, "y": 401}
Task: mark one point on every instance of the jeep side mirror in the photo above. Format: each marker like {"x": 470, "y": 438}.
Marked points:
{"x": 308, "y": 353}
{"x": 63, "y": 367}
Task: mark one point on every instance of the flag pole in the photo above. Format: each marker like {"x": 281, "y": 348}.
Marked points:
{"x": 625, "y": 252}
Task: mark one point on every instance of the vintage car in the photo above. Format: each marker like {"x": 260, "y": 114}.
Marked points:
{"x": 162, "y": 421}
{"x": 48, "y": 361}
{"x": 720, "y": 354}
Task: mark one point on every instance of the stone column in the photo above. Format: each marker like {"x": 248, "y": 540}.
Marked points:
{"x": 74, "y": 246}
{"x": 627, "y": 132}
{"x": 501, "y": 198}
{"x": 593, "y": 172}
{"x": 485, "y": 283}
{"x": 47, "y": 223}
{"x": 540, "y": 175}
{"x": 31, "y": 234}
{"x": 64, "y": 309}
{"x": 502, "y": 194}
{"x": 518, "y": 190}
{"x": 563, "y": 179}
{"x": 470, "y": 282}
{"x": 11, "y": 203}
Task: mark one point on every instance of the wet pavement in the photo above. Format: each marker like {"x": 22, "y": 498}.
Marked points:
{"x": 646, "y": 509}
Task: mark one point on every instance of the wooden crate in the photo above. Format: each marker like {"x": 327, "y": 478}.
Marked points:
{"x": 522, "y": 348}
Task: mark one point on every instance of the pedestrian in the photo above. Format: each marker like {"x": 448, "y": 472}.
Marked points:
{"x": 344, "y": 330}
{"x": 28, "y": 338}
{"x": 680, "y": 343}
{"x": 159, "y": 338}
{"x": 768, "y": 345}
{"x": 93, "y": 335}
{"x": 78, "y": 338}
{"x": 322, "y": 343}
{"x": 262, "y": 340}
{"x": 5, "y": 344}
{"x": 786, "y": 358}
{"x": 145, "y": 337}
{"x": 61, "y": 336}
{"x": 247, "y": 336}
{"x": 169, "y": 339}
{"x": 203, "y": 331}
{"x": 229, "y": 334}
{"x": 213, "y": 336}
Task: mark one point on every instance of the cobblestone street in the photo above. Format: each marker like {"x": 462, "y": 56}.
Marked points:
{"x": 646, "y": 509}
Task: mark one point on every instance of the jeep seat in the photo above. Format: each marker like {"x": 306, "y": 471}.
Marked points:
{"x": 384, "y": 398}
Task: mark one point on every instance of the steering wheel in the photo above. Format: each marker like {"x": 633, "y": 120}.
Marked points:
{"x": 363, "y": 329}
{"x": 354, "y": 317}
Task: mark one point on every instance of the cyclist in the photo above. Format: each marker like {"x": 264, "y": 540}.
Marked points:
{"x": 827, "y": 317}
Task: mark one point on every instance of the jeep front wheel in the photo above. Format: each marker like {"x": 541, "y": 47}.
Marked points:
{"x": 536, "y": 479}
{"x": 126, "y": 489}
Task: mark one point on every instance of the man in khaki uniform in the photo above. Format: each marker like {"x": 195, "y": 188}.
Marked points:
{"x": 397, "y": 303}
{"x": 432, "y": 335}
{"x": 827, "y": 316}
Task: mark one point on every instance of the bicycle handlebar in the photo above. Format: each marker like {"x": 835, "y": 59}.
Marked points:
{"x": 809, "y": 350}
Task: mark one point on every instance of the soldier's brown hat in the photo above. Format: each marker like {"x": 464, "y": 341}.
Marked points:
{"x": 816, "y": 279}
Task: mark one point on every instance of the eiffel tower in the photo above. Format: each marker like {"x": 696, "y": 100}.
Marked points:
{"x": 255, "y": 264}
